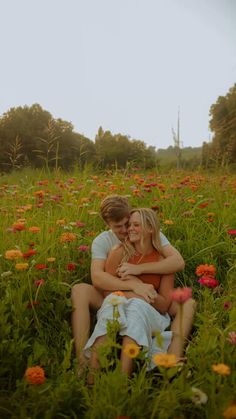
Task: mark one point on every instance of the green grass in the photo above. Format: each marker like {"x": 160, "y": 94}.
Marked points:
{"x": 41, "y": 334}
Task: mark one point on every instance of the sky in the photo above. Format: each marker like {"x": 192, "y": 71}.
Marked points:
{"x": 127, "y": 65}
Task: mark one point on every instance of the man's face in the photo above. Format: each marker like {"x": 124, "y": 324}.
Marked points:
{"x": 120, "y": 228}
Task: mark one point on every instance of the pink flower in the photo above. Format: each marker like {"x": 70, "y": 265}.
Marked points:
{"x": 232, "y": 232}
{"x": 180, "y": 295}
{"x": 39, "y": 282}
{"x": 232, "y": 338}
{"x": 227, "y": 305}
{"x": 83, "y": 248}
{"x": 208, "y": 281}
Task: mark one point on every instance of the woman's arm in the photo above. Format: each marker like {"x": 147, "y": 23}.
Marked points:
{"x": 163, "y": 298}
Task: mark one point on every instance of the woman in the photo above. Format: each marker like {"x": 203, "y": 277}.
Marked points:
{"x": 139, "y": 321}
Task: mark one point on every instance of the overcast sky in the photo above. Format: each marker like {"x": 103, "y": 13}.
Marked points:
{"x": 125, "y": 65}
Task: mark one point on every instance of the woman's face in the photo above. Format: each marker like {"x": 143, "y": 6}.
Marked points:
{"x": 135, "y": 230}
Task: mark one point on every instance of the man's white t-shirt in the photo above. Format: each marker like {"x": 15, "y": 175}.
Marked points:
{"x": 106, "y": 240}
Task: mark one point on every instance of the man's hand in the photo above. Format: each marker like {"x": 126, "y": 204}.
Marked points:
{"x": 126, "y": 269}
{"x": 147, "y": 291}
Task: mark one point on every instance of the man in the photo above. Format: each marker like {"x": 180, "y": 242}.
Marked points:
{"x": 85, "y": 297}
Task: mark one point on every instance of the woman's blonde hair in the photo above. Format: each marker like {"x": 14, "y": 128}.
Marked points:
{"x": 149, "y": 222}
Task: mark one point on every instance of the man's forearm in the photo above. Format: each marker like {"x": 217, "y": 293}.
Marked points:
{"x": 108, "y": 282}
{"x": 165, "y": 266}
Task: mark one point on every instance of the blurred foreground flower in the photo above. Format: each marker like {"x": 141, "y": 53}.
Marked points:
{"x": 180, "y": 295}
{"x": 35, "y": 375}
{"x": 230, "y": 412}
{"x": 198, "y": 397}
{"x": 208, "y": 281}
{"x": 221, "y": 369}
{"x": 132, "y": 350}
{"x": 165, "y": 360}
{"x": 13, "y": 254}
{"x": 6, "y": 274}
{"x": 206, "y": 270}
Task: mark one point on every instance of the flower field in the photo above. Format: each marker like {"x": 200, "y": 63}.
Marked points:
{"x": 48, "y": 222}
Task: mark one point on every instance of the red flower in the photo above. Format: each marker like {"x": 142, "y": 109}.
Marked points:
{"x": 29, "y": 253}
{"x": 83, "y": 248}
{"x": 181, "y": 294}
{"x": 208, "y": 281}
{"x": 71, "y": 266}
{"x": 40, "y": 266}
{"x": 18, "y": 227}
{"x": 31, "y": 304}
{"x": 39, "y": 282}
{"x": 232, "y": 232}
{"x": 203, "y": 205}
{"x": 206, "y": 270}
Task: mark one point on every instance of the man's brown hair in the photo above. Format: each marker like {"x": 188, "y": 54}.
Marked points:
{"x": 114, "y": 208}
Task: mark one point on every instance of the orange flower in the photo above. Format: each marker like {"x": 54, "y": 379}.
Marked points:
{"x": 221, "y": 369}
{"x": 169, "y": 222}
{"x": 35, "y": 375}
{"x": 68, "y": 237}
{"x": 13, "y": 254}
{"x": 206, "y": 270}
{"x": 120, "y": 293}
{"x": 34, "y": 229}
{"x": 165, "y": 360}
{"x": 21, "y": 266}
{"x": 60, "y": 222}
{"x": 132, "y": 350}
{"x": 230, "y": 412}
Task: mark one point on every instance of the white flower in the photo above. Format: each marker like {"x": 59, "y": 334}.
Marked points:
{"x": 6, "y": 274}
{"x": 115, "y": 300}
{"x": 198, "y": 397}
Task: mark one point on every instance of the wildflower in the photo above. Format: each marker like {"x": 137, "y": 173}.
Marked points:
{"x": 232, "y": 338}
{"x": 35, "y": 375}
{"x": 39, "y": 282}
{"x": 232, "y": 232}
{"x": 169, "y": 222}
{"x": 221, "y": 369}
{"x": 18, "y": 227}
{"x": 208, "y": 282}
{"x": 132, "y": 350}
{"x": 60, "y": 222}
{"x": 181, "y": 294}
{"x": 68, "y": 237}
{"x": 13, "y": 254}
{"x": 227, "y": 305}
{"x": 198, "y": 397}
{"x": 51, "y": 260}
{"x": 206, "y": 270}
{"x": 203, "y": 205}
{"x": 40, "y": 266}
{"x": 165, "y": 360}
{"x": 29, "y": 253}
{"x": 6, "y": 274}
{"x": 34, "y": 229}
{"x": 71, "y": 266}
{"x": 32, "y": 304}
{"x": 21, "y": 266}
{"x": 230, "y": 412}
{"x": 79, "y": 224}
{"x": 83, "y": 248}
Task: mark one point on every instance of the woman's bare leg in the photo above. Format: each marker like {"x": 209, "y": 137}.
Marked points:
{"x": 84, "y": 297}
{"x": 177, "y": 343}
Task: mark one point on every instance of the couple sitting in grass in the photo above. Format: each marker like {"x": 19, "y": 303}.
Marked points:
{"x": 136, "y": 258}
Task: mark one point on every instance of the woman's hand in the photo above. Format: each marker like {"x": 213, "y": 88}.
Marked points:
{"x": 146, "y": 291}
{"x": 126, "y": 269}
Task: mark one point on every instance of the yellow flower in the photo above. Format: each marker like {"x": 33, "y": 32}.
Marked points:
{"x": 165, "y": 360}
{"x": 21, "y": 266}
{"x": 60, "y": 222}
{"x": 13, "y": 254}
{"x": 51, "y": 260}
{"x": 221, "y": 369}
{"x": 132, "y": 350}
{"x": 230, "y": 412}
{"x": 169, "y": 222}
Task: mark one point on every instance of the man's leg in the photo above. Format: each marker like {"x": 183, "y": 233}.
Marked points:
{"x": 84, "y": 297}
{"x": 178, "y": 342}
{"x": 126, "y": 361}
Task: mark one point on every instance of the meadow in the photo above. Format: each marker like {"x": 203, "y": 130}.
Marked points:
{"x": 48, "y": 222}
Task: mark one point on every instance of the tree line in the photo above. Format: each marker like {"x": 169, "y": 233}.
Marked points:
{"x": 30, "y": 136}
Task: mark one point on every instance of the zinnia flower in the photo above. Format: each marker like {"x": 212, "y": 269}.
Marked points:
{"x": 40, "y": 266}
{"x": 169, "y": 222}
{"x": 83, "y": 248}
{"x": 51, "y": 260}
{"x": 132, "y": 350}
{"x": 68, "y": 237}
{"x": 208, "y": 282}
{"x": 198, "y": 397}
{"x": 181, "y": 294}
{"x": 34, "y": 229}
{"x": 221, "y": 369}
{"x": 165, "y": 360}
{"x": 21, "y": 266}
{"x": 13, "y": 254}
{"x": 232, "y": 232}
{"x": 29, "y": 253}
{"x": 71, "y": 266}
{"x": 206, "y": 270}
{"x": 230, "y": 412}
{"x": 35, "y": 375}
